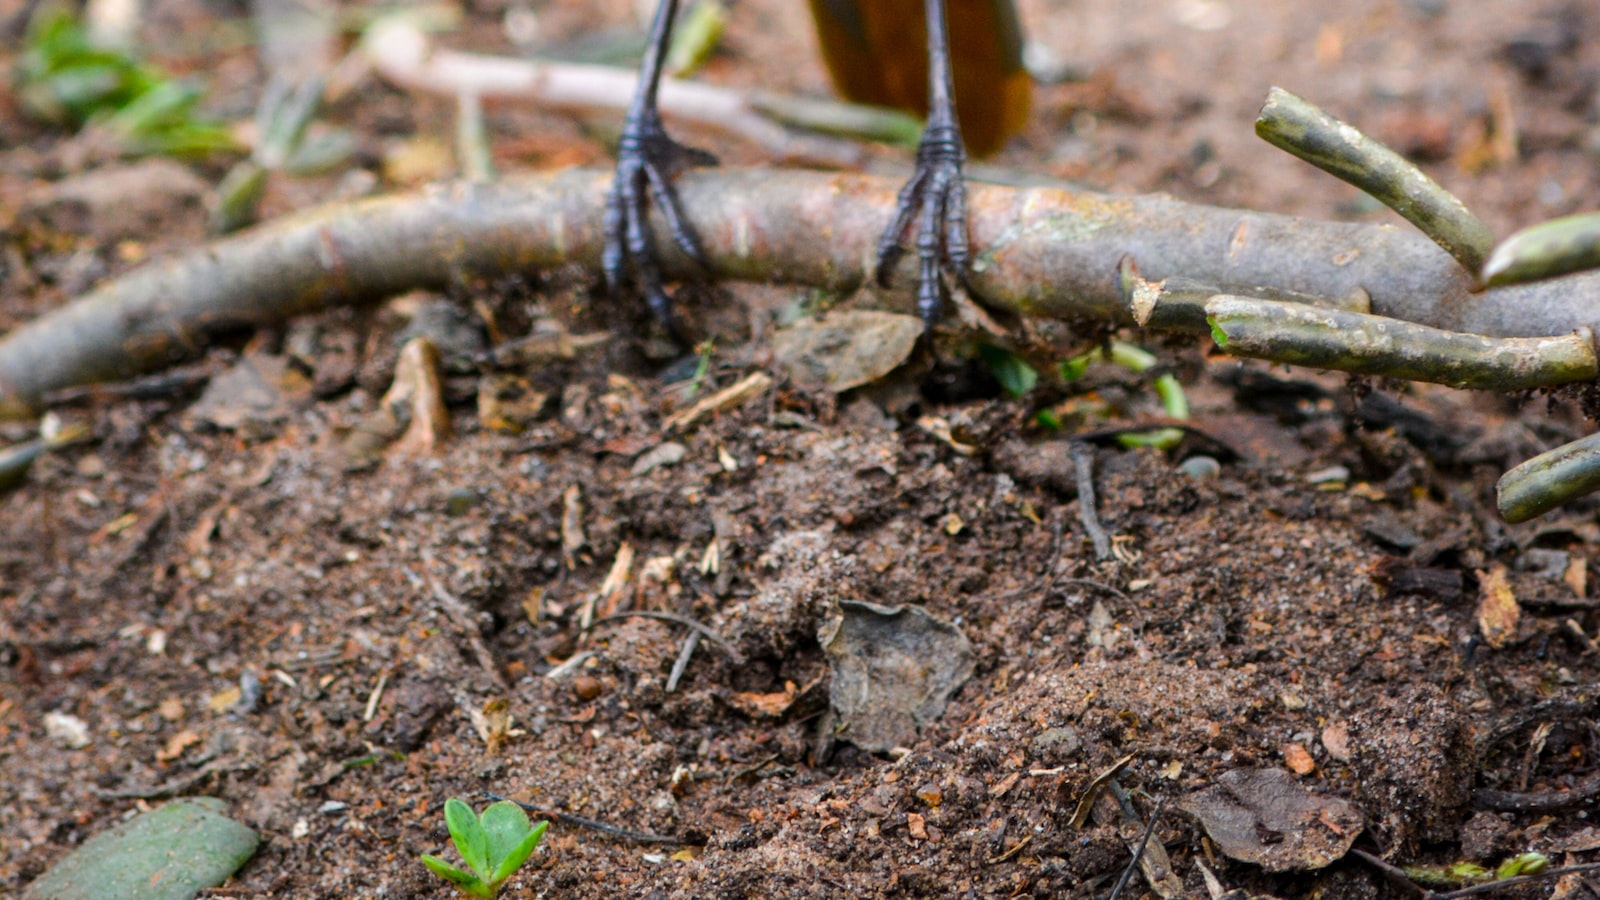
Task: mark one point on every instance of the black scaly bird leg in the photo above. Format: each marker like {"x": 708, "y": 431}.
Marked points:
{"x": 647, "y": 161}
{"x": 936, "y": 187}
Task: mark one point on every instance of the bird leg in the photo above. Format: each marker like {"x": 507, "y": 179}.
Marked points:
{"x": 936, "y": 188}
{"x": 647, "y": 161}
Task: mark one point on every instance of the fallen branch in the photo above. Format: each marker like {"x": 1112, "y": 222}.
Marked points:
{"x": 1044, "y": 252}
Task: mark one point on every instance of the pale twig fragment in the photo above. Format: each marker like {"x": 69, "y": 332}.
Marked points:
{"x": 749, "y": 388}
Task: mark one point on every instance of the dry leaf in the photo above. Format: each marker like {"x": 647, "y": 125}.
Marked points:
{"x": 768, "y": 706}
{"x": 1498, "y": 612}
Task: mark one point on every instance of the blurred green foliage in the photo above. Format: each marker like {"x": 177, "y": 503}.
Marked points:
{"x": 63, "y": 78}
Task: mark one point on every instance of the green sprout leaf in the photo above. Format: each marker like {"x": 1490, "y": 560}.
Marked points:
{"x": 468, "y": 883}
{"x": 519, "y": 853}
{"x": 1138, "y": 360}
{"x": 1523, "y": 864}
{"x": 471, "y": 841}
{"x": 507, "y": 828}
{"x": 1217, "y": 334}
{"x": 494, "y": 846}
{"x": 1011, "y": 370}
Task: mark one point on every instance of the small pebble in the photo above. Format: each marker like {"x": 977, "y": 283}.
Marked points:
{"x": 460, "y": 501}
{"x": 586, "y": 687}
{"x": 1200, "y": 468}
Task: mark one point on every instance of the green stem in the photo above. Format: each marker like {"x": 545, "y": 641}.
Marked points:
{"x": 1557, "y": 247}
{"x": 1550, "y": 480}
{"x": 1375, "y": 345}
{"x": 1293, "y": 124}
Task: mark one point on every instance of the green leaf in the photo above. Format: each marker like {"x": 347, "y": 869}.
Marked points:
{"x": 1011, "y": 370}
{"x": 513, "y": 860}
{"x": 1159, "y": 438}
{"x": 506, "y": 826}
{"x": 1133, "y": 358}
{"x": 470, "y": 884}
{"x": 472, "y": 842}
{"x": 1523, "y": 864}
{"x": 1173, "y": 399}
{"x": 167, "y": 103}
{"x": 1217, "y": 334}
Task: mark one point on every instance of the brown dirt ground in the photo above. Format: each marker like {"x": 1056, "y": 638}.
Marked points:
{"x": 1251, "y": 619}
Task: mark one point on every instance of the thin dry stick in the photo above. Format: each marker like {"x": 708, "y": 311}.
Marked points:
{"x": 1044, "y": 252}
{"x": 403, "y": 53}
{"x": 1083, "y": 463}
{"x": 685, "y": 621}
{"x": 1138, "y": 854}
{"x": 682, "y": 663}
{"x": 1582, "y": 792}
{"x": 616, "y": 831}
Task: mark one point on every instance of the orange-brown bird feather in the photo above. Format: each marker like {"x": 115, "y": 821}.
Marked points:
{"x": 877, "y": 52}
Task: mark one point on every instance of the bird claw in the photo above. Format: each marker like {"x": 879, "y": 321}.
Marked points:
{"x": 936, "y": 198}
{"x": 647, "y": 161}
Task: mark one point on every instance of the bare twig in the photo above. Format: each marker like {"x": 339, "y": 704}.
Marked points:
{"x": 1584, "y": 791}
{"x": 1550, "y": 479}
{"x": 627, "y": 834}
{"x": 1395, "y": 874}
{"x": 1293, "y": 124}
{"x": 682, "y": 663}
{"x": 1376, "y": 345}
{"x": 685, "y": 621}
{"x": 1177, "y": 303}
{"x": 1138, "y": 854}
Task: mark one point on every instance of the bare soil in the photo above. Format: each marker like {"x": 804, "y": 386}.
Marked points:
{"x": 235, "y": 612}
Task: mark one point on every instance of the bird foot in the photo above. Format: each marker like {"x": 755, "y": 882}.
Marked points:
{"x": 936, "y": 197}
{"x": 647, "y": 161}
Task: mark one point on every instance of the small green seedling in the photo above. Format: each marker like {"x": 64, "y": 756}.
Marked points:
{"x": 1138, "y": 360}
{"x": 493, "y": 846}
{"x": 1467, "y": 872}
{"x": 1011, "y": 370}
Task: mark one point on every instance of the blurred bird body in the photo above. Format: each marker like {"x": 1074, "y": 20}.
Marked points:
{"x": 877, "y": 52}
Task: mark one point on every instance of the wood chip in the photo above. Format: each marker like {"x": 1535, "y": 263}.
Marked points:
{"x": 1498, "y": 612}
{"x": 753, "y": 386}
